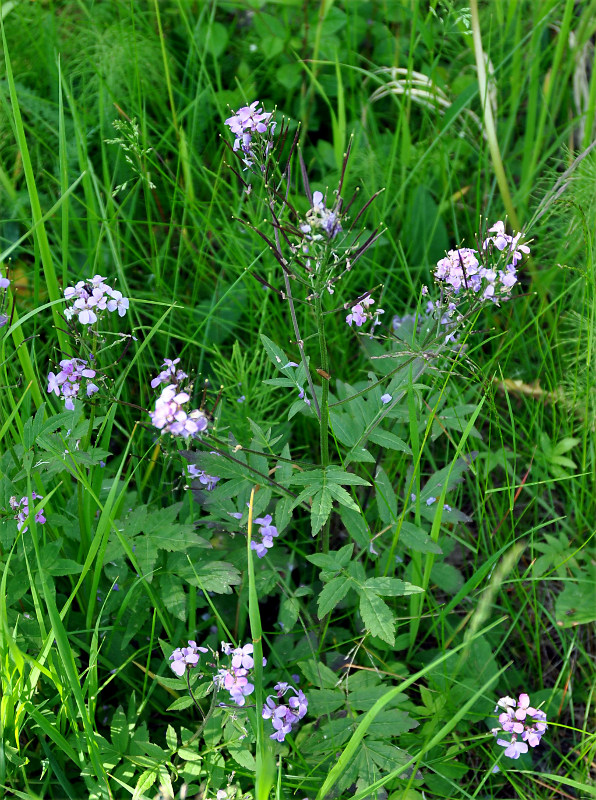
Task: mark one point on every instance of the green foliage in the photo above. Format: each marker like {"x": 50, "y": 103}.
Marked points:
{"x": 389, "y": 590}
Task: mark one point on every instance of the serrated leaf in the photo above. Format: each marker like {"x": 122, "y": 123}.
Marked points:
{"x": 377, "y": 617}
{"x": 322, "y": 503}
{"x": 325, "y": 701}
{"x": 416, "y": 539}
{"x": 171, "y": 738}
{"x": 356, "y": 526}
{"x": 340, "y": 476}
{"x": 333, "y": 561}
{"x": 318, "y": 674}
{"x": 389, "y": 440}
{"x": 332, "y": 594}
{"x": 243, "y": 757}
{"x": 173, "y": 595}
{"x": 276, "y": 354}
{"x": 145, "y": 782}
{"x": 391, "y": 587}
{"x": 342, "y": 497}
{"x": 385, "y": 496}
{"x": 447, "y": 577}
{"x": 180, "y": 704}
{"x": 215, "y": 576}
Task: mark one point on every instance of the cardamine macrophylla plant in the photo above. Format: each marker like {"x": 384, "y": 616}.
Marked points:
{"x": 236, "y": 679}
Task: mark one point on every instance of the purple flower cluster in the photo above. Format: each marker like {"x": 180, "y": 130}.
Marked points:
{"x": 67, "y": 383}
{"x": 186, "y": 657}
{"x": 235, "y": 679}
{"x": 170, "y": 414}
{"x": 91, "y": 298}
{"x": 244, "y": 124}
{"x": 319, "y": 217}
{"x": 268, "y": 532}
{"x": 519, "y": 719}
{"x": 22, "y": 508}
{"x": 4, "y": 284}
{"x": 170, "y": 374}
{"x": 208, "y": 481}
{"x": 360, "y": 314}
{"x": 463, "y": 270}
{"x": 283, "y": 715}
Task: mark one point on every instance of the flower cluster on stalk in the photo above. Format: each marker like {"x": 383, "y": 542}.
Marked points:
{"x": 172, "y": 414}
{"x": 360, "y": 314}
{"x": 90, "y": 299}
{"x": 184, "y": 658}
{"x": 67, "y": 383}
{"x": 487, "y": 275}
{"x": 267, "y": 532}
{"x": 235, "y": 678}
{"x": 524, "y": 724}
{"x": 22, "y": 508}
{"x": 284, "y": 715}
{"x": 249, "y": 125}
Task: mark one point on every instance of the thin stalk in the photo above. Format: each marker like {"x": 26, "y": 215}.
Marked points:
{"x": 324, "y": 411}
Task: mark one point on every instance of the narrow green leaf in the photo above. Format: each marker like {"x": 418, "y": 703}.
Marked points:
{"x": 377, "y": 616}
{"x": 321, "y": 508}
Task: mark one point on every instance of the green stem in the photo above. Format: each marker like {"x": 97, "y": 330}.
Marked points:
{"x": 324, "y": 420}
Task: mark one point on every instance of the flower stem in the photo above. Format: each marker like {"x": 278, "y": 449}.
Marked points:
{"x": 324, "y": 418}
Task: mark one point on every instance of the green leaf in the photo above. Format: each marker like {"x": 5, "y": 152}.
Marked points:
{"x": 215, "y": 576}
{"x": 243, "y": 757}
{"x": 337, "y": 475}
{"x": 386, "y": 499}
{"x": 356, "y": 526}
{"x": 390, "y": 587}
{"x": 318, "y": 674}
{"x": 333, "y": 561}
{"x": 332, "y": 594}
{"x": 146, "y": 781}
{"x": 377, "y": 616}
{"x": 325, "y": 701}
{"x": 173, "y": 595}
{"x": 389, "y": 440}
{"x": 447, "y": 577}
{"x": 416, "y": 539}
{"x": 321, "y": 508}
{"x": 342, "y": 497}
{"x": 180, "y": 704}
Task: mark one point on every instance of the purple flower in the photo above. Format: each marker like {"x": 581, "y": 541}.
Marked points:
{"x": 91, "y": 298}
{"x": 284, "y": 716}
{"x": 520, "y": 718}
{"x": 170, "y": 416}
{"x": 236, "y": 683}
{"x": 244, "y": 124}
{"x": 386, "y": 398}
{"x": 514, "y": 748}
{"x": 208, "y": 481}
{"x": 357, "y": 316}
{"x": 4, "y": 283}
{"x": 22, "y": 508}
{"x": 268, "y": 532}
{"x": 69, "y": 380}
{"x": 184, "y": 657}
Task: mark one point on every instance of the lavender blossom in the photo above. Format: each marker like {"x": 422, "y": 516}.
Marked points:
{"x": 360, "y": 314}
{"x": 73, "y": 373}
{"x": 268, "y": 532}
{"x": 22, "y": 508}
{"x": 284, "y": 715}
{"x": 208, "y": 481}
{"x": 91, "y": 298}
{"x": 186, "y": 657}
{"x": 519, "y": 719}
{"x": 245, "y": 124}
{"x": 320, "y": 218}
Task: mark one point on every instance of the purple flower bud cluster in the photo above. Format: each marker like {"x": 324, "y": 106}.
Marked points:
{"x": 22, "y": 508}
{"x": 244, "y": 124}
{"x": 267, "y": 532}
{"x": 235, "y": 679}
{"x": 320, "y": 218}
{"x": 463, "y": 270}
{"x": 184, "y": 658}
{"x": 284, "y": 715}
{"x": 519, "y": 719}
{"x": 208, "y": 481}
{"x": 170, "y": 414}
{"x": 360, "y": 314}
{"x": 67, "y": 383}
{"x": 4, "y": 284}
{"x": 91, "y": 298}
